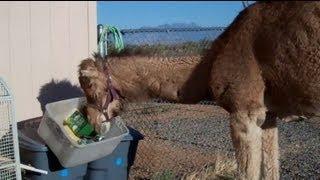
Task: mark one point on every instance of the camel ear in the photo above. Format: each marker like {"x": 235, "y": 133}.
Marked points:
{"x": 89, "y": 73}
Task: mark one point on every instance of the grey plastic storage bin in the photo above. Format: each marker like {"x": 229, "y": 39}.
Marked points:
{"x": 116, "y": 166}
{"x": 68, "y": 151}
{"x": 33, "y": 151}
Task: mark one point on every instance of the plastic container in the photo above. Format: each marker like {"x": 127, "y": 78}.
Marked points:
{"x": 33, "y": 151}
{"x": 117, "y": 164}
{"x": 67, "y": 150}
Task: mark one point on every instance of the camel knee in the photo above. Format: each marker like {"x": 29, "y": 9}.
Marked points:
{"x": 246, "y": 124}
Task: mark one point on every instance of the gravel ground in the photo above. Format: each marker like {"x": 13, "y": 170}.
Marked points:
{"x": 204, "y": 130}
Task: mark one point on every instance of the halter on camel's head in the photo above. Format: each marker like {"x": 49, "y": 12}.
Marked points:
{"x": 111, "y": 92}
{"x": 95, "y": 80}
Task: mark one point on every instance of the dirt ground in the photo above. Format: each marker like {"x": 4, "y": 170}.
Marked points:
{"x": 183, "y": 140}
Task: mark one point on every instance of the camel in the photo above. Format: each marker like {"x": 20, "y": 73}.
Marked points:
{"x": 264, "y": 66}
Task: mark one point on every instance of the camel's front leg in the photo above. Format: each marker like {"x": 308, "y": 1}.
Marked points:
{"x": 246, "y": 136}
{"x": 270, "y": 149}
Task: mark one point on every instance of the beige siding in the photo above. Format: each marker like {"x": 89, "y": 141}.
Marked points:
{"x": 41, "y": 41}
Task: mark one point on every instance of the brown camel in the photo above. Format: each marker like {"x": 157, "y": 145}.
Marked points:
{"x": 265, "y": 65}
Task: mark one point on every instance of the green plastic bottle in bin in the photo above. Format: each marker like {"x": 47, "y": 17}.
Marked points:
{"x": 80, "y": 125}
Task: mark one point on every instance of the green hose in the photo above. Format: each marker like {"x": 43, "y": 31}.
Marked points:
{"x": 117, "y": 36}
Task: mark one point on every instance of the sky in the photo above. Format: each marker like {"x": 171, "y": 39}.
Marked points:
{"x": 136, "y": 14}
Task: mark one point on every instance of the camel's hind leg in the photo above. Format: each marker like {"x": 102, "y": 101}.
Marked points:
{"x": 246, "y": 136}
{"x": 270, "y": 148}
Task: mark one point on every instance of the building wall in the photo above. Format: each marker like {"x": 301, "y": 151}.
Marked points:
{"x": 42, "y": 41}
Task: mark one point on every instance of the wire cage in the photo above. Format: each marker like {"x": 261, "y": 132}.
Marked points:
{"x": 9, "y": 152}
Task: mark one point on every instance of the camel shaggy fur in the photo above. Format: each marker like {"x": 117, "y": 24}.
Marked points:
{"x": 265, "y": 65}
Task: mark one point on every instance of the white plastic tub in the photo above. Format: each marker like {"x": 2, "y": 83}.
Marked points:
{"x": 68, "y": 151}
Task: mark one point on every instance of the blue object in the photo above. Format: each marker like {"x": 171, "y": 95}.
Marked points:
{"x": 64, "y": 173}
{"x": 119, "y": 161}
{"x": 116, "y": 166}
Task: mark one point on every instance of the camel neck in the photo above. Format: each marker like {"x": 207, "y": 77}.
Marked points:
{"x": 138, "y": 78}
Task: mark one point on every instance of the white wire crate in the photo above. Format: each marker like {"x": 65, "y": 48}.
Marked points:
{"x": 9, "y": 149}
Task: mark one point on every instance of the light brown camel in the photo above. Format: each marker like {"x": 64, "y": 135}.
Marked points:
{"x": 266, "y": 64}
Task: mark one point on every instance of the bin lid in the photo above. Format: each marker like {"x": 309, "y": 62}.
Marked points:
{"x": 28, "y": 136}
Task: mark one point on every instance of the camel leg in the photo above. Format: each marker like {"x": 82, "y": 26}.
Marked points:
{"x": 246, "y": 137}
{"x": 270, "y": 148}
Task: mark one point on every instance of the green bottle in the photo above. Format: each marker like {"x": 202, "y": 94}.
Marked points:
{"x": 80, "y": 125}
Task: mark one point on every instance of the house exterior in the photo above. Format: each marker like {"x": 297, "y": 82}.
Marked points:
{"x": 40, "y": 42}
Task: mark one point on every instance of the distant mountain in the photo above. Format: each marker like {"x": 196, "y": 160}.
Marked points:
{"x": 175, "y": 25}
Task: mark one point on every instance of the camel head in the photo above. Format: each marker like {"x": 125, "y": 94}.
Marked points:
{"x": 93, "y": 80}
